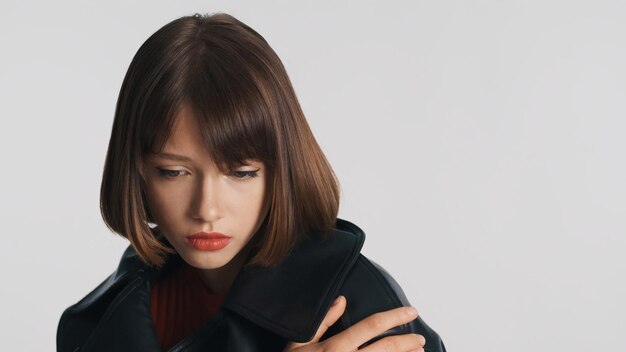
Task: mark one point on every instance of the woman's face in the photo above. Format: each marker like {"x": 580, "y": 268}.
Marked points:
{"x": 187, "y": 194}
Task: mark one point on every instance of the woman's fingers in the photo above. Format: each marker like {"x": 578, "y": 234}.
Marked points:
{"x": 363, "y": 331}
{"x": 400, "y": 343}
{"x": 370, "y": 327}
{"x": 334, "y": 312}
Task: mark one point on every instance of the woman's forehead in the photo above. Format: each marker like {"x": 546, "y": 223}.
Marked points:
{"x": 184, "y": 136}
{"x": 184, "y": 127}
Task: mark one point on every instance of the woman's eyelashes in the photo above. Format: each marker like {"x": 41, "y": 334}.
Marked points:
{"x": 167, "y": 173}
{"x": 243, "y": 175}
{"x": 237, "y": 174}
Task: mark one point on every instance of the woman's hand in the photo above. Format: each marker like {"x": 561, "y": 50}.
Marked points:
{"x": 363, "y": 331}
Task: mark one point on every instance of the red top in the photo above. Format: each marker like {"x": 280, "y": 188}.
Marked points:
{"x": 180, "y": 304}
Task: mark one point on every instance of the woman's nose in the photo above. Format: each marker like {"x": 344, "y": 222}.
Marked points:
{"x": 206, "y": 205}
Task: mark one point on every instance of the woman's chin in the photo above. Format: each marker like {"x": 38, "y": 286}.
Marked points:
{"x": 207, "y": 261}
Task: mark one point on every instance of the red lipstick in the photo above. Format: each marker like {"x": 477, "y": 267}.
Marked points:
{"x": 208, "y": 241}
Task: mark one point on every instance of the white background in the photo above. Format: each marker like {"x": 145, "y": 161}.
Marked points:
{"x": 479, "y": 144}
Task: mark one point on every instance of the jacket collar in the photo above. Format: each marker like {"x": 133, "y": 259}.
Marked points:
{"x": 292, "y": 298}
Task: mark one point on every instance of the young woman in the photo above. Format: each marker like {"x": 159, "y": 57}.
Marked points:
{"x": 230, "y": 207}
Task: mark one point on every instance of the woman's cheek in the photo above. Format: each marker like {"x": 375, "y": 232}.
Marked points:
{"x": 163, "y": 202}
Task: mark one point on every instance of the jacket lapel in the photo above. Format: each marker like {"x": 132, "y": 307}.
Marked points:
{"x": 292, "y": 298}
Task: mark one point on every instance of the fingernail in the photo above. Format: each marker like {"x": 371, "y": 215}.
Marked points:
{"x": 336, "y": 301}
{"x": 411, "y": 311}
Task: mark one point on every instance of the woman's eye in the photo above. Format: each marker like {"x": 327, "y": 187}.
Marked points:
{"x": 169, "y": 173}
{"x": 246, "y": 174}
{"x": 241, "y": 175}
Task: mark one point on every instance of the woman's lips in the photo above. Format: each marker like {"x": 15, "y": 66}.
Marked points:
{"x": 208, "y": 241}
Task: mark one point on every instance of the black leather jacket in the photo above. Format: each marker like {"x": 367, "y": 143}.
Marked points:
{"x": 262, "y": 311}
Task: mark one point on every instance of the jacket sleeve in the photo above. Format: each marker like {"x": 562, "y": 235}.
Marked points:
{"x": 370, "y": 289}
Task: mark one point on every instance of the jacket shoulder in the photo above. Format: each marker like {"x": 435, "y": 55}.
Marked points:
{"x": 79, "y": 320}
{"x": 370, "y": 289}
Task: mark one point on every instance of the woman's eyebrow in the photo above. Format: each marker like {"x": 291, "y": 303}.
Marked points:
{"x": 172, "y": 156}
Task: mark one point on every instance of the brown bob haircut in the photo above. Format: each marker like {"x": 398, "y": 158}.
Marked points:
{"x": 240, "y": 95}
